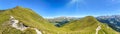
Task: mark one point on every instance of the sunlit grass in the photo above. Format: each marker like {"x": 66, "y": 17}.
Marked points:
{"x": 29, "y": 18}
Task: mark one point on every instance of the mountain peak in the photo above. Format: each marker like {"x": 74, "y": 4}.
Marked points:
{"x": 18, "y": 7}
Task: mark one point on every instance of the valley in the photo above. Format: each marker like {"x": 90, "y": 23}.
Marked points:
{"x": 19, "y": 20}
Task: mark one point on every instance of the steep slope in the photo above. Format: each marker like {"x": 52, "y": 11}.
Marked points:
{"x": 21, "y": 20}
{"x": 82, "y": 23}
{"x": 113, "y": 21}
{"x": 89, "y": 25}
{"x": 27, "y": 17}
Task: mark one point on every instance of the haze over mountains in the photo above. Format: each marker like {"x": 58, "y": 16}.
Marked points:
{"x": 113, "y": 21}
{"x": 21, "y": 20}
{"x": 59, "y": 21}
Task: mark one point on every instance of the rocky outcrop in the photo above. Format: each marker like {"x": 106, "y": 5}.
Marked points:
{"x": 15, "y": 23}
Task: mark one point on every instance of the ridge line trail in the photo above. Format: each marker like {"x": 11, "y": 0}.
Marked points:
{"x": 97, "y": 29}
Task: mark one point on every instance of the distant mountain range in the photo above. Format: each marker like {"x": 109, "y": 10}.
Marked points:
{"x": 21, "y": 20}
{"x": 60, "y": 21}
{"x": 113, "y": 21}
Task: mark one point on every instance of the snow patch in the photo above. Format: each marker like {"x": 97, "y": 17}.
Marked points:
{"x": 97, "y": 29}
{"x": 14, "y": 23}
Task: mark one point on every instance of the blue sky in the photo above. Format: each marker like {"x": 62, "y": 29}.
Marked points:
{"x": 72, "y": 8}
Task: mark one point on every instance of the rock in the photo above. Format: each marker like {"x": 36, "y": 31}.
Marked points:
{"x": 14, "y": 23}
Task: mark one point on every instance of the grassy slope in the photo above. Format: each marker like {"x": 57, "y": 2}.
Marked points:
{"x": 29, "y": 18}
{"x": 88, "y": 25}
{"x": 4, "y": 27}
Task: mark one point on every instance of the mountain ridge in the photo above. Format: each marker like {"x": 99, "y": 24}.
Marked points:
{"x": 25, "y": 17}
{"x": 113, "y": 21}
{"x": 28, "y": 18}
